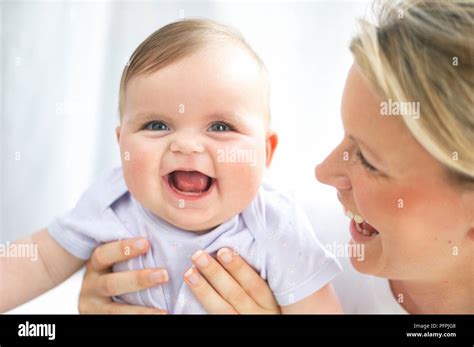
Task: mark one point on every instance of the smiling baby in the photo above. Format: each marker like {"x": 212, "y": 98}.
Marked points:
{"x": 195, "y": 141}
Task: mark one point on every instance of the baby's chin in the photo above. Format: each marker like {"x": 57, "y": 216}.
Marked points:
{"x": 194, "y": 221}
{"x": 195, "y": 227}
{"x": 197, "y": 216}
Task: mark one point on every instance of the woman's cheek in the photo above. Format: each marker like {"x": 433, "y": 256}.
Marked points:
{"x": 399, "y": 213}
{"x": 430, "y": 219}
{"x": 381, "y": 203}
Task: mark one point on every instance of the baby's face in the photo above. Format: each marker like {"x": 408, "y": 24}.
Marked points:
{"x": 194, "y": 137}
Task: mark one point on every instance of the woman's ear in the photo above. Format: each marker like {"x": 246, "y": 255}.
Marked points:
{"x": 270, "y": 146}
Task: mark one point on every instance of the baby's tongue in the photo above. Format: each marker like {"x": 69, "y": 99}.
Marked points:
{"x": 190, "y": 181}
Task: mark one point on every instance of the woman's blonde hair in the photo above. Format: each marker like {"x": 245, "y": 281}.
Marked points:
{"x": 178, "y": 40}
{"x": 423, "y": 51}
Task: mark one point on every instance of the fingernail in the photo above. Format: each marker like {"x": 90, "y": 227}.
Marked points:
{"x": 192, "y": 276}
{"x": 139, "y": 244}
{"x": 225, "y": 255}
{"x": 159, "y": 276}
{"x": 200, "y": 258}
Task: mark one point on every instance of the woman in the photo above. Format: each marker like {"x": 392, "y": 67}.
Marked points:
{"x": 404, "y": 173}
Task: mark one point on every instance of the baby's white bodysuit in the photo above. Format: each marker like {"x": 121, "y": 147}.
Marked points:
{"x": 272, "y": 234}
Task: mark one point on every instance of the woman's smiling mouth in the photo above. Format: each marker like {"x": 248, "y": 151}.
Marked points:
{"x": 361, "y": 225}
{"x": 361, "y": 231}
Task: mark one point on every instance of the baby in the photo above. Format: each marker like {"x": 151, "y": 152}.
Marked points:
{"x": 195, "y": 141}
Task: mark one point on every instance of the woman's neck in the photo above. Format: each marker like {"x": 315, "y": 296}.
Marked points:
{"x": 447, "y": 295}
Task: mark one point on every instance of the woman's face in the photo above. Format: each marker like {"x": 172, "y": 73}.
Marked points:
{"x": 421, "y": 224}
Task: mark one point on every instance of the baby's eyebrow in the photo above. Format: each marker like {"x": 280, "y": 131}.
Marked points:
{"x": 145, "y": 117}
{"x": 229, "y": 116}
{"x": 232, "y": 117}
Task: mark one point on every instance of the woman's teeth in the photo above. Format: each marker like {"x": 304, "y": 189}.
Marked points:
{"x": 358, "y": 219}
{"x": 361, "y": 224}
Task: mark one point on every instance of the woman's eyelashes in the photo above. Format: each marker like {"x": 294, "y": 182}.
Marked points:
{"x": 364, "y": 162}
{"x": 156, "y": 126}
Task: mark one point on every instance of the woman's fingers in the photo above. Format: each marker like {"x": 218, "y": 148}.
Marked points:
{"x": 110, "y": 253}
{"x": 122, "y": 282}
{"x": 248, "y": 278}
{"x": 231, "y": 291}
{"x": 233, "y": 287}
{"x": 207, "y": 296}
{"x": 99, "y": 284}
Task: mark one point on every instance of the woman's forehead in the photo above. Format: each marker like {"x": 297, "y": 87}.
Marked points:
{"x": 386, "y": 135}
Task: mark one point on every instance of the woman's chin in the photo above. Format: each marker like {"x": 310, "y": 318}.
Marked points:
{"x": 369, "y": 261}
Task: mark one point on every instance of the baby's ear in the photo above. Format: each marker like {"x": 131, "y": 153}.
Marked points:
{"x": 117, "y": 132}
{"x": 270, "y": 146}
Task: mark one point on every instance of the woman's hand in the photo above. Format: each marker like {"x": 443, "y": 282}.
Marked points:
{"x": 233, "y": 287}
{"x": 229, "y": 285}
{"x": 100, "y": 284}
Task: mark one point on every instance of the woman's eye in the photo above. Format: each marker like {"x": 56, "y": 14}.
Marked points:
{"x": 365, "y": 163}
{"x": 220, "y": 127}
{"x": 156, "y": 126}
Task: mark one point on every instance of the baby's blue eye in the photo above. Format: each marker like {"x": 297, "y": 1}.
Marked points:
{"x": 156, "y": 126}
{"x": 220, "y": 127}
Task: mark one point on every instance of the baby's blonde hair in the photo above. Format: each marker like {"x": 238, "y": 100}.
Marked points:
{"x": 179, "y": 40}
{"x": 423, "y": 51}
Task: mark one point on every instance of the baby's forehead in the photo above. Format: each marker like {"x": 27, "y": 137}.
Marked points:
{"x": 193, "y": 52}
{"x": 215, "y": 66}
{"x": 217, "y": 79}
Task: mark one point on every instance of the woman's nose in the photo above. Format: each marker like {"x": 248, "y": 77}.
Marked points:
{"x": 332, "y": 171}
{"x": 186, "y": 144}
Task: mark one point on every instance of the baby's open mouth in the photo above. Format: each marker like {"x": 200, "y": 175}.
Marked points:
{"x": 190, "y": 182}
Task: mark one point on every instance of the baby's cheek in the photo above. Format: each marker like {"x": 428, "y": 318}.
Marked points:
{"x": 131, "y": 160}
{"x": 137, "y": 162}
{"x": 239, "y": 167}
{"x": 241, "y": 175}
{"x": 238, "y": 186}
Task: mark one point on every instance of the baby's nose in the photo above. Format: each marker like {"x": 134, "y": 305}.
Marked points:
{"x": 186, "y": 144}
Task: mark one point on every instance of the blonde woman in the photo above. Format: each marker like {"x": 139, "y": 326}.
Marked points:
{"x": 404, "y": 173}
